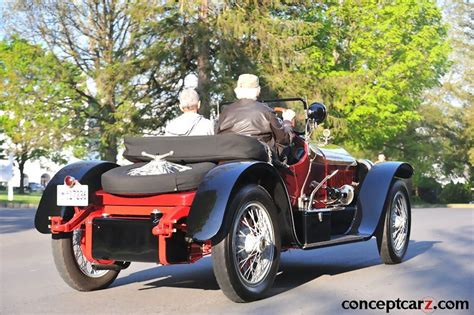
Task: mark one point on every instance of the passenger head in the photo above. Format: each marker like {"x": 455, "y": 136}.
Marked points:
{"x": 247, "y": 87}
{"x": 189, "y": 100}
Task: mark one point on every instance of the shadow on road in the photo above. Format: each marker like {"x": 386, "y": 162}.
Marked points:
{"x": 197, "y": 276}
{"x": 16, "y": 220}
{"x": 416, "y": 248}
{"x": 297, "y": 267}
{"x": 302, "y": 268}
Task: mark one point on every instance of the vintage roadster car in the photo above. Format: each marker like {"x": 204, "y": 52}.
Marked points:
{"x": 231, "y": 202}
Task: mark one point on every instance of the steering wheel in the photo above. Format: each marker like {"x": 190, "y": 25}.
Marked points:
{"x": 281, "y": 110}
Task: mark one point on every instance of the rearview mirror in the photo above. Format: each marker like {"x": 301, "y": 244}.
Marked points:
{"x": 317, "y": 112}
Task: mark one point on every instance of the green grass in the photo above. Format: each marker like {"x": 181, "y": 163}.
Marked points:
{"x": 33, "y": 198}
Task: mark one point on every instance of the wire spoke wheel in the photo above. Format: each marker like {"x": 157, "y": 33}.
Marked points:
{"x": 253, "y": 243}
{"x": 399, "y": 222}
{"x": 84, "y": 265}
{"x": 394, "y": 234}
{"x": 246, "y": 259}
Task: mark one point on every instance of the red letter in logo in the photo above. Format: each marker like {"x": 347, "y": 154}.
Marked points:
{"x": 429, "y": 306}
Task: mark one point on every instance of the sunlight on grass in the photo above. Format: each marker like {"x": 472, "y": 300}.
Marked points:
{"x": 32, "y": 198}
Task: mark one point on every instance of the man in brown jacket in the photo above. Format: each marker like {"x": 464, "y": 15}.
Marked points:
{"x": 251, "y": 118}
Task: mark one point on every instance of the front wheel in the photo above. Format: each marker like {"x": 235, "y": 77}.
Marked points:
{"x": 73, "y": 266}
{"x": 246, "y": 260}
{"x": 394, "y": 235}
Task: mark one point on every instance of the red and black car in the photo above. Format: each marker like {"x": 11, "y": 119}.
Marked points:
{"x": 231, "y": 203}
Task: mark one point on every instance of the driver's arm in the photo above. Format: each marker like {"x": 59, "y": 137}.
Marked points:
{"x": 282, "y": 132}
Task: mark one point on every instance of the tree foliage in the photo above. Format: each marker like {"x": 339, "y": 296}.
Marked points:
{"x": 36, "y": 106}
{"x": 368, "y": 61}
{"x": 218, "y": 40}
{"x": 125, "y": 86}
{"x": 378, "y": 58}
{"x": 456, "y": 95}
{"x": 456, "y": 193}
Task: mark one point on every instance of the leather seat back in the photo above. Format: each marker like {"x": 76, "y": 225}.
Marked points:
{"x": 196, "y": 149}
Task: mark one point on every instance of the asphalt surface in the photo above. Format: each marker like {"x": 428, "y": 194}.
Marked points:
{"x": 439, "y": 264}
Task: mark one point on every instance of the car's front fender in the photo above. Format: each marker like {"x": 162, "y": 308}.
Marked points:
{"x": 86, "y": 172}
{"x": 373, "y": 195}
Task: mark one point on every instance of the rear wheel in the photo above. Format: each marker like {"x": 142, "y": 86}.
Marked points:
{"x": 393, "y": 237}
{"x": 73, "y": 266}
{"x": 246, "y": 260}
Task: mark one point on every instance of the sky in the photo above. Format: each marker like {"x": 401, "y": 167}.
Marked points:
{"x": 2, "y": 22}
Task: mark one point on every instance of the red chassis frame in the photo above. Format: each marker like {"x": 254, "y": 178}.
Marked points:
{"x": 174, "y": 207}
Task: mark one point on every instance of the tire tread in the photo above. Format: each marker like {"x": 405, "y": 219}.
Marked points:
{"x": 223, "y": 268}
{"x": 69, "y": 271}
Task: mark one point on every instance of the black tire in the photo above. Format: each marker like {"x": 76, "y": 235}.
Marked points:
{"x": 230, "y": 278}
{"x": 391, "y": 252}
{"x": 68, "y": 266}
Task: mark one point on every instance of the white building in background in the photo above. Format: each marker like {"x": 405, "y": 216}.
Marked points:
{"x": 38, "y": 171}
{"x": 42, "y": 170}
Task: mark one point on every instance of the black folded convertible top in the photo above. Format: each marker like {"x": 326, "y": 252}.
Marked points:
{"x": 118, "y": 181}
{"x": 195, "y": 149}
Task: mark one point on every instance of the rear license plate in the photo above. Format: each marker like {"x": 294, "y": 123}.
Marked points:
{"x": 78, "y": 195}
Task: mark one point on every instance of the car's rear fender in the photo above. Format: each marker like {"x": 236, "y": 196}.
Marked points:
{"x": 374, "y": 193}
{"x": 209, "y": 215}
{"x": 86, "y": 172}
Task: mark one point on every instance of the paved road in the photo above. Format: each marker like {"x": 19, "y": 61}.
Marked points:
{"x": 439, "y": 264}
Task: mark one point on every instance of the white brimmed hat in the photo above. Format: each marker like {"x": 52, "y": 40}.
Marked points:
{"x": 248, "y": 81}
{"x": 248, "y": 87}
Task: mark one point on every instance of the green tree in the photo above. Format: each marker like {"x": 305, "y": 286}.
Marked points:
{"x": 369, "y": 61}
{"x": 127, "y": 86}
{"x": 432, "y": 144}
{"x": 454, "y": 98}
{"x": 456, "y": 193}
{"x": 36, "y": 107}
{"x": 373, "y": 66}
{"x": 218, "y": 40}
{"x": 440, "y": 144}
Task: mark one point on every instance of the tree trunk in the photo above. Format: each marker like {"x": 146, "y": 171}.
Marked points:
{"x": 109, "y": 148}
{"x": 109, "y": 151}
{"x": 21, "y": 167}
{"x": 109, "y": 139}
{"x": 203, "y": 62}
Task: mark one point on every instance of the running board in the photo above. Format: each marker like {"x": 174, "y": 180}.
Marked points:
{"x": 338, "y": 240}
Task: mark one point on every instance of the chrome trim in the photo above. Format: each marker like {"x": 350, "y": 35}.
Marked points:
{"x": 399, "y": 222}
{"x": 350, "y": 193}
{"x": 311, "y": 197}
{"x": 314, "y": 210}
{"x": 253, "y": 243}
